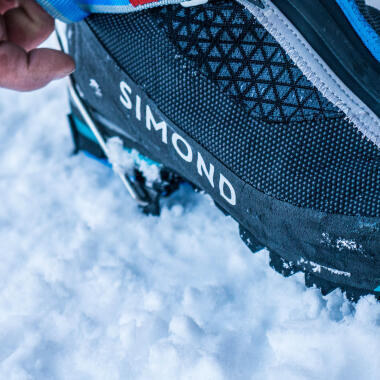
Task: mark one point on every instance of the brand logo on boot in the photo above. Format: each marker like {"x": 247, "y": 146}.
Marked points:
{"x": 173, "y": 140}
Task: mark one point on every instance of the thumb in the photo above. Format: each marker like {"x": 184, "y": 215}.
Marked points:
{"x": 24, "y": 71}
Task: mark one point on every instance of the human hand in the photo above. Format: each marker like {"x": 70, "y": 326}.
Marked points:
{"x": 24, "y": 25}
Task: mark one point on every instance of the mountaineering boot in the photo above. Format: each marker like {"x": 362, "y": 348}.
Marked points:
{"x": 271, "y": 107}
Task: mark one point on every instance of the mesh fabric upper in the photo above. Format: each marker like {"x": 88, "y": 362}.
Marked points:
{"x": 319, "y": 162}
{"x": 237, "y": 52}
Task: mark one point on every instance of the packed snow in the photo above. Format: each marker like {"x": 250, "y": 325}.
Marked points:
{"x": 93, "y": 289}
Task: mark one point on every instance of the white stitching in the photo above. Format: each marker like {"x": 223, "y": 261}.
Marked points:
{"x": 341, "y": 103}
{"x": 311, "y": 74}
{"x": 322, "y": 63}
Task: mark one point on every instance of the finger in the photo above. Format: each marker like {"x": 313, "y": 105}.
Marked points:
{"x": 24, "y": 71}
{"x": 28, "y": 25}
{"x": 6, "y": 5}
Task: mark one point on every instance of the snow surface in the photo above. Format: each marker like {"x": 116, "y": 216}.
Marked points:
{"x": 92, "y": 289}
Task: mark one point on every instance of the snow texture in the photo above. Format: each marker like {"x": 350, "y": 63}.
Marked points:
{"x": 93, "y": 289}
{"x": 124, "y": 161}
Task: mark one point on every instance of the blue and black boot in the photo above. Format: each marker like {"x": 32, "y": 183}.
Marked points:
{"x": 271, "y": 107}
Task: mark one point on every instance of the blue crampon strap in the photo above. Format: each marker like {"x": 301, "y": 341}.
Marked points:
{"x": 76, "y": 10}
{"x": 85, "y": 131}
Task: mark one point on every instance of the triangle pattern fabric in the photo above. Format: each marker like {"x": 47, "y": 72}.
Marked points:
{"x": 230, "y": 46}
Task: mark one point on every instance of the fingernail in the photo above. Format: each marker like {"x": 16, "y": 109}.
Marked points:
{"x": 66, "y": 73}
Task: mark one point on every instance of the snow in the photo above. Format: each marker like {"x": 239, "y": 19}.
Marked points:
{"x": 93, "y": 289}
{"x": 124, "y": 161}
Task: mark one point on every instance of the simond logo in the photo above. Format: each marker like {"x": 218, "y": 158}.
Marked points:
{"x": 177, "y": 142}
